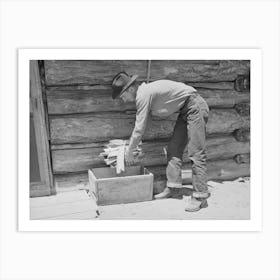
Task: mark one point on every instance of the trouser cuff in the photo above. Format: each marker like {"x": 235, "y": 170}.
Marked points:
{"x": 173, "y": 185}
{"x": 202, "y": 195}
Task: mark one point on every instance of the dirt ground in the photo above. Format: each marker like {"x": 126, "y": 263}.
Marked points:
{"x": 229, "y": 200}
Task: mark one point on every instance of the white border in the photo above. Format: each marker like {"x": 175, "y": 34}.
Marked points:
{"x": 254, "y": 224}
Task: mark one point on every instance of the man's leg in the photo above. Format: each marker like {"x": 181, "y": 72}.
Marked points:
{"x": 175, "y": 152}
{"x": 197, "y": 116}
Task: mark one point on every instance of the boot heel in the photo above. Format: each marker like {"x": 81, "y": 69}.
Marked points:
{"x": 204, "y": 204}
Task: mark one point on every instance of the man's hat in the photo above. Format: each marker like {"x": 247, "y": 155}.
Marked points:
{"x": 122, "y": 82}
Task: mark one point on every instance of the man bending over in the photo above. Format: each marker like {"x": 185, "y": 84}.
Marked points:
{"x": 162, "y": 98}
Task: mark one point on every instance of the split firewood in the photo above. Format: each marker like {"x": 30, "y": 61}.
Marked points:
{"x": 120, "y": 159}
{"x": 114, "y": 152}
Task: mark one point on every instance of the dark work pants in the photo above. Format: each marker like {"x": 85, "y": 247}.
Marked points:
{"x": 190, "y": 131}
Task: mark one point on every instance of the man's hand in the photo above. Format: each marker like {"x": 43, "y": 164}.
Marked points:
{"x": 129, "y": 158}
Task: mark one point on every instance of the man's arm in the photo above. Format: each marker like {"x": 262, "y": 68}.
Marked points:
{"x": 143, "y": 109}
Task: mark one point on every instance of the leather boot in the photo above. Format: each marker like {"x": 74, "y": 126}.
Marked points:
{"x": 165, "y": 194}
{"x": 195, "y": 204}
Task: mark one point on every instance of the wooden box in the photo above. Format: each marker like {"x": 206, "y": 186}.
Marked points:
{"x": 133, "y": 185}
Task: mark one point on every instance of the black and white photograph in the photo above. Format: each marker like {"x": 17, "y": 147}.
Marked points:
{"x": 140, "y": 139}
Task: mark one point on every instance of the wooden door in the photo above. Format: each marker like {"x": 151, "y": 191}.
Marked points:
{"x": 41, "y": 178}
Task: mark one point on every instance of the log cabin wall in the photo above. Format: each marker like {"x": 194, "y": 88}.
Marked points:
{"x": 82, "y": 115}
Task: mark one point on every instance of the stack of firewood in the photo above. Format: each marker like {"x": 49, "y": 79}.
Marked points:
{"x": 114, "y": 151}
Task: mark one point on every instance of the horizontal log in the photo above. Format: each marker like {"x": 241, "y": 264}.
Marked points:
{"x": 218, "y": 139}
{"x": 180, "y": 70}
{"x": 98, "y": 99}
{"x": 222, "y": 170}
{"x": 199, "y": 85}
{"x": 72, "y": 72}
{"x": 217, "y": 170}
{"x": 71, "y": 181}
{"x": 76, "y": 160}
{"x": 102, "y": 127}
{"x": 223, "y": 98}
{"x": 79, "y": 145}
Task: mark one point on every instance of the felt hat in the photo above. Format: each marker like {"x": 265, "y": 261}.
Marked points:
{"x": 121, "y": 82}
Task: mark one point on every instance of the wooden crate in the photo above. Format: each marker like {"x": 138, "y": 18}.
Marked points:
{"x": 133, "y": 185}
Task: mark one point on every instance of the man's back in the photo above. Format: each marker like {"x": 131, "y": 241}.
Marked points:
{"x": 165, "y": 97}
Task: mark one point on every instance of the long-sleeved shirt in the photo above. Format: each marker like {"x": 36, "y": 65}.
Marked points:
{"x": 160, "y": 98}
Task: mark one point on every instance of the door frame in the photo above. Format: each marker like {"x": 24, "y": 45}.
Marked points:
{"x": 38, "y": 109}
